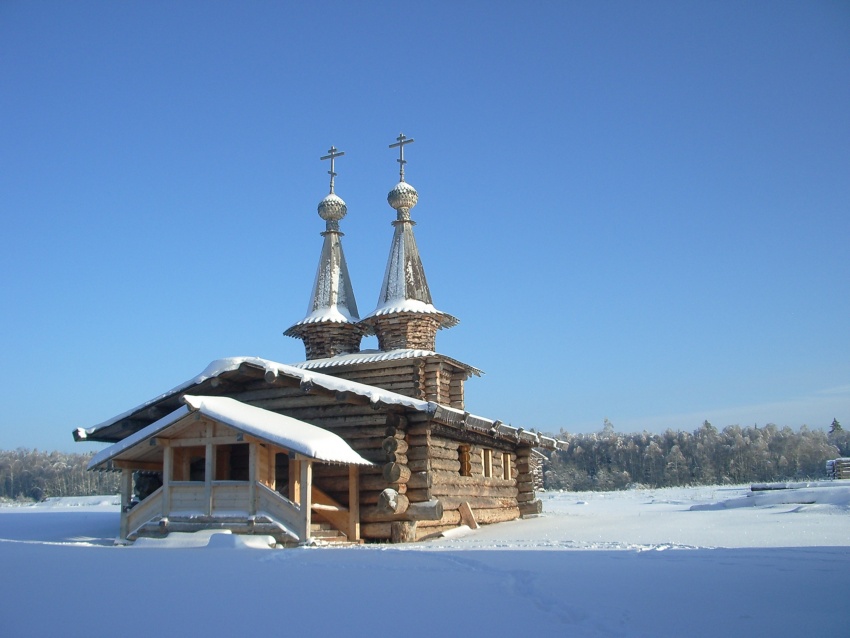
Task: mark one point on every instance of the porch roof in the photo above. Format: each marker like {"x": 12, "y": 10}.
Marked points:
{"x": 271, "y": 427}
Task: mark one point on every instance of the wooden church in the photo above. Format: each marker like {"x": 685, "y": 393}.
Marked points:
{"x": 348, "y": 445}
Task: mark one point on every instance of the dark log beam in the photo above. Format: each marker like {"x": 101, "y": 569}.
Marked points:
{"x": 426, "y": 511}
{"x": 471, "y": 436}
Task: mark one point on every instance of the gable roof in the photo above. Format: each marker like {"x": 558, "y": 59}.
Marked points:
{"x": 128, "y": 423}
{"x": 271, "y": 427}
{"x": 374, "y": 356}
{"x": 232, "y": 368}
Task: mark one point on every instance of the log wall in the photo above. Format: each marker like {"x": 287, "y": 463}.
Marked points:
{"x": 415, "y": 459}
{"x": 430, "y": 378}
{"x": 492, "y": 499}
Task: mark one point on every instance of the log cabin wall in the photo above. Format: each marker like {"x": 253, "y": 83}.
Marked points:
{"x": 528, "y": 503}
{"x": 429, "y": 378}
{"x": 409, "y": 457}
{"x": 491, "y": 498}
{"x": 399, "y": 330}
{"x": 323, "y": 340}
{"x": 415, "y": 456}
{"x": 404, "y": 376}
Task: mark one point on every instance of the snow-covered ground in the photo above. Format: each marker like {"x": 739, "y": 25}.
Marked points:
{"x": 708, "y": 561}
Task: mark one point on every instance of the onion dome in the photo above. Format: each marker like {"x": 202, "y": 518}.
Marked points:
{"x": 403, "y": 197}
{"x": 332, "y": 209}
{"x": 331, "y": 326}
{"x": 405, "y": 316}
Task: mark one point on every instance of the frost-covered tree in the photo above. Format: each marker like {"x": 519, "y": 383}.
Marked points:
{"x": 611, "y": 460}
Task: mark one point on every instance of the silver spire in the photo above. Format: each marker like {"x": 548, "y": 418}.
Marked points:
{"x": 404, "y": 292}
{"x": 330, "y": 326}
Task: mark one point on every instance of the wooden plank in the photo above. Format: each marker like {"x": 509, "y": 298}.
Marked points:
{"x": 126, "y": 493}
{"x": 466, "y": 515}
{"x": 167, "y": 473}
{"x": 253, "y": 477}
{"x": 151, "y": 466}
{"x": 304, "y": 502}
{"x": 209, "y": 474}
{"x": 294, "y": 480}
{"x": 353, "y": 503}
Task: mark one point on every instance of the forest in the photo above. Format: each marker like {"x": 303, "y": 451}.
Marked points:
{"x": 608, "y": 460}
{"x": 605, "y": 460}
{"x": 33, "y": 475}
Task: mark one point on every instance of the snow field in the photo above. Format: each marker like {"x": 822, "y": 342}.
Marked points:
{"x": 775, "y": 569}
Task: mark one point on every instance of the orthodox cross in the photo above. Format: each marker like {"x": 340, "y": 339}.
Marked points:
{"x": 332, "y": 155}
{"x": 402, "y": 140}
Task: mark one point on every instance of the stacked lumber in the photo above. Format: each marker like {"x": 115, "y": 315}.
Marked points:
{"x": 838, "y": 468}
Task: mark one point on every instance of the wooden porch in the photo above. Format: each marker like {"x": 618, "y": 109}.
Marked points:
{"x": 215, "y": 476}
{"x": 189, "y": 506}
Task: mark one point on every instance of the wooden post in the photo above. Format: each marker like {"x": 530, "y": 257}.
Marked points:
{"x": 167, "y": 473}
{"x": 403, "y": 532}
{"x": 304, "y": 501}
{"x": 270, "y": 470}
{"x": 294, "y": 479}
{"x": 253, "y": 473}
{"x": 209, "y": 471}
{"x": 126, "y": 491}
{"x": 353, "y": 502}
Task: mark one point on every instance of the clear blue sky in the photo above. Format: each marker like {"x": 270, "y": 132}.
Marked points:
{"x": 638, "y": 211}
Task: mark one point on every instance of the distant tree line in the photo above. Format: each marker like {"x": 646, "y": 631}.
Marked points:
{"x": 608, "y": 460}
{"x": 34, "y": 475}
{"x": 605, "y": 460}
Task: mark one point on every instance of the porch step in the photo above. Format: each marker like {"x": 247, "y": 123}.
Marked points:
{"x": 326, "y": 532}
{"x": 259, "y": 525}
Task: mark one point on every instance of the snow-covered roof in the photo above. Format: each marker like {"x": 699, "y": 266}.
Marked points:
{"x": 375, "y": 395}
{"x": 375, "y": 356}
{"x": 396, "y": 306}
{"x": 271, "y": 427}
{"x": 332, "y": 314}
{"x": 231, "y": 364}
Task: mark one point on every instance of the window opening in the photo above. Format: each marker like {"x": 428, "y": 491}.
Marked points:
{"x": 487, "y": 457}
{"x": 506, "y": 466}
